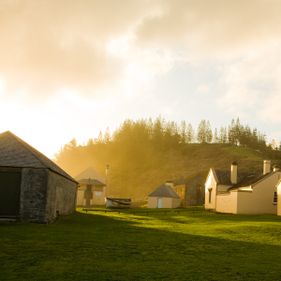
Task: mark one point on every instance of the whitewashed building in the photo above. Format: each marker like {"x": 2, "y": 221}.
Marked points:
{"x": 164, "y": 196}
{"x": 231, "y": 192}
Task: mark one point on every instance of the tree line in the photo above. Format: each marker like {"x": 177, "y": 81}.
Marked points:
{"x": 146, "y": 152}
{"x": 146, "y": 139}
{"x": 164, "y": 134}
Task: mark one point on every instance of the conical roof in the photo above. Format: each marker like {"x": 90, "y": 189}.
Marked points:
{"x": 14, "y": 152}
{"x": 164, "y": 191}
{"x": 90, "y": 173}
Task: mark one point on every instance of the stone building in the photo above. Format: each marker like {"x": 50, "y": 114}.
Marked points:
{"x": 32, "y": 187}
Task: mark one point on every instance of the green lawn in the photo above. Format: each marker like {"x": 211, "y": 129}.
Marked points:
{"x": 190, "y": 245}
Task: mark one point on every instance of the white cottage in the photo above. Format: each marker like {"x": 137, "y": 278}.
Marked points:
{"x": 278, "y": 198}
{"x": 164, "y": 196}
{"x": 230, "y": 192}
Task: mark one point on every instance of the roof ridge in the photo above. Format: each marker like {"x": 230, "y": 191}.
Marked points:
{"x": 172, "y": 193}
{"x": 37, "y": 154}
{"x": 29, "y": 148}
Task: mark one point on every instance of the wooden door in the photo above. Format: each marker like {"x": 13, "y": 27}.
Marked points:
{"x": 160, "y": 203}
{"x": 10, "y": 193}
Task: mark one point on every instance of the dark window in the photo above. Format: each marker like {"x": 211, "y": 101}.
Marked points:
{"x": 275, "y": 196}
{"x": 210, "y": 195}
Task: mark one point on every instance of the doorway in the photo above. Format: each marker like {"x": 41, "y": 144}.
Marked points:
{"x": 10, "y": 194}
{"x": 159, "y": 202}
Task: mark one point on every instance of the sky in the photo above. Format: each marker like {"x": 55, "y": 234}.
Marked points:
{"x": 73, "y": 68}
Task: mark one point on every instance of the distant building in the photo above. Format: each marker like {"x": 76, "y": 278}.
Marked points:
{"x": 32, "y": 187}
{"x": 190, "y": 191}
{"x": 277, "y": 197}
{"x": 164, "y": 196}
{"x": 240, "y": 193}
{"x": 91, "y": 190}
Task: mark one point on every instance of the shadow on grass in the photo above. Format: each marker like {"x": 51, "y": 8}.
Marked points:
{"x": 96, "y": 247}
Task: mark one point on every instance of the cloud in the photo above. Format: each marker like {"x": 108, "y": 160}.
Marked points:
{"x": 118, "y": 54}
{"x": 45, "y": 45}
{"x": 251, "y": 86}
{"x": 213, "y": 27}
{"x": 90, "y": 44}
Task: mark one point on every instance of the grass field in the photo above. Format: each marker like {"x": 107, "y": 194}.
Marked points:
{"x": 188, "y": 245}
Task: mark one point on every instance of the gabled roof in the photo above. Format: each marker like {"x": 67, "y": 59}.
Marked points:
{"x": 164, "y": 191}
{"x": 90, "y": 173}
{"x": 242, "y": 177}
{"x": 190, "y": 182}
{"x": 14, "y": 152}
{"x": 253, "y": 181}
{"x": 90, "y": 181}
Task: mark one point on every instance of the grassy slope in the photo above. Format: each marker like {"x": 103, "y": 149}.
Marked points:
{"x": 190, "y": 245}
{"x": 139, "y": 180}
{"x": 136, "y": 175}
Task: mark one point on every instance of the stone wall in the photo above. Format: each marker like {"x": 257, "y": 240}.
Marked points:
{"x": 61, "y": 197}
{"x": 33, "y": 195}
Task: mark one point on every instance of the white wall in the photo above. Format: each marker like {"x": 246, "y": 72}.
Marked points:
{"x": 260, "y": 201}
{"x": 80, "y": 200}
{"x": 97, "y": 199}
{"x": 227, "y": 202}
{"x": 166, "y": 202}
{"x": 152, "y": 202}
{"x": 279, "y": 199}
{"x": 210, "y": 184}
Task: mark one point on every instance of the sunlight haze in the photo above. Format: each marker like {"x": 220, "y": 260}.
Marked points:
{"x": 75, "y": 68}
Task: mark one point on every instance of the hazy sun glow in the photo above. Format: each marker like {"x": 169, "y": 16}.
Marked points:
{"x": 88, "y": 67}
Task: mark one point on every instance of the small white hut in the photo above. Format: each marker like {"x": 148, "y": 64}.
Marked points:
{"x": 163, "y": 197}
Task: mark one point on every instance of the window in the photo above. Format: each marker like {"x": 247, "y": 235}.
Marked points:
{"x": 98, "y": 193}
{"x": 210, "y": 195}
{"x": 275, "y": 197}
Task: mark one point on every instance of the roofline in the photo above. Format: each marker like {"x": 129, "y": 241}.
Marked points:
{"x": 28, "y": 146}
{"x": 215, "y": 174}
{"x": 167, "y": 186}
{"x": 265, "y": 177}
{"x": 164, "y": 197}
{"x": 99, "y": 184}
{"x": 278, "y": 183}
{"x": 68, "y": 178}
{"x": 255, "y": 183}
{"x": 37, "y": 168}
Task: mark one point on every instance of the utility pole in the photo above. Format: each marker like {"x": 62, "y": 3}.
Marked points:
{"x": 106, "y": 174}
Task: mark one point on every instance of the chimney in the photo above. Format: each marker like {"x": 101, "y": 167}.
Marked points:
{"x": 275, "y": 169}
{"x": 233, "y": 173}
{"x": 266, "y": 167}
{"x": 170, "y": 183}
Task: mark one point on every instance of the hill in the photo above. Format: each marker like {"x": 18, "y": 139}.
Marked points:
{"x": 135, "y": 169}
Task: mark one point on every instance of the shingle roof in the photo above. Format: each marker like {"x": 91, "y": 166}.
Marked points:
{"x": 252, "y": 180}
{"x": 90, "y": 173}
{"x": 199, "y": 178}
{"x": 164, "y": 191}
{"x": 14, "y": 152}
{"x": 243, "y": 178}
{"x": 90, "y": 181}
